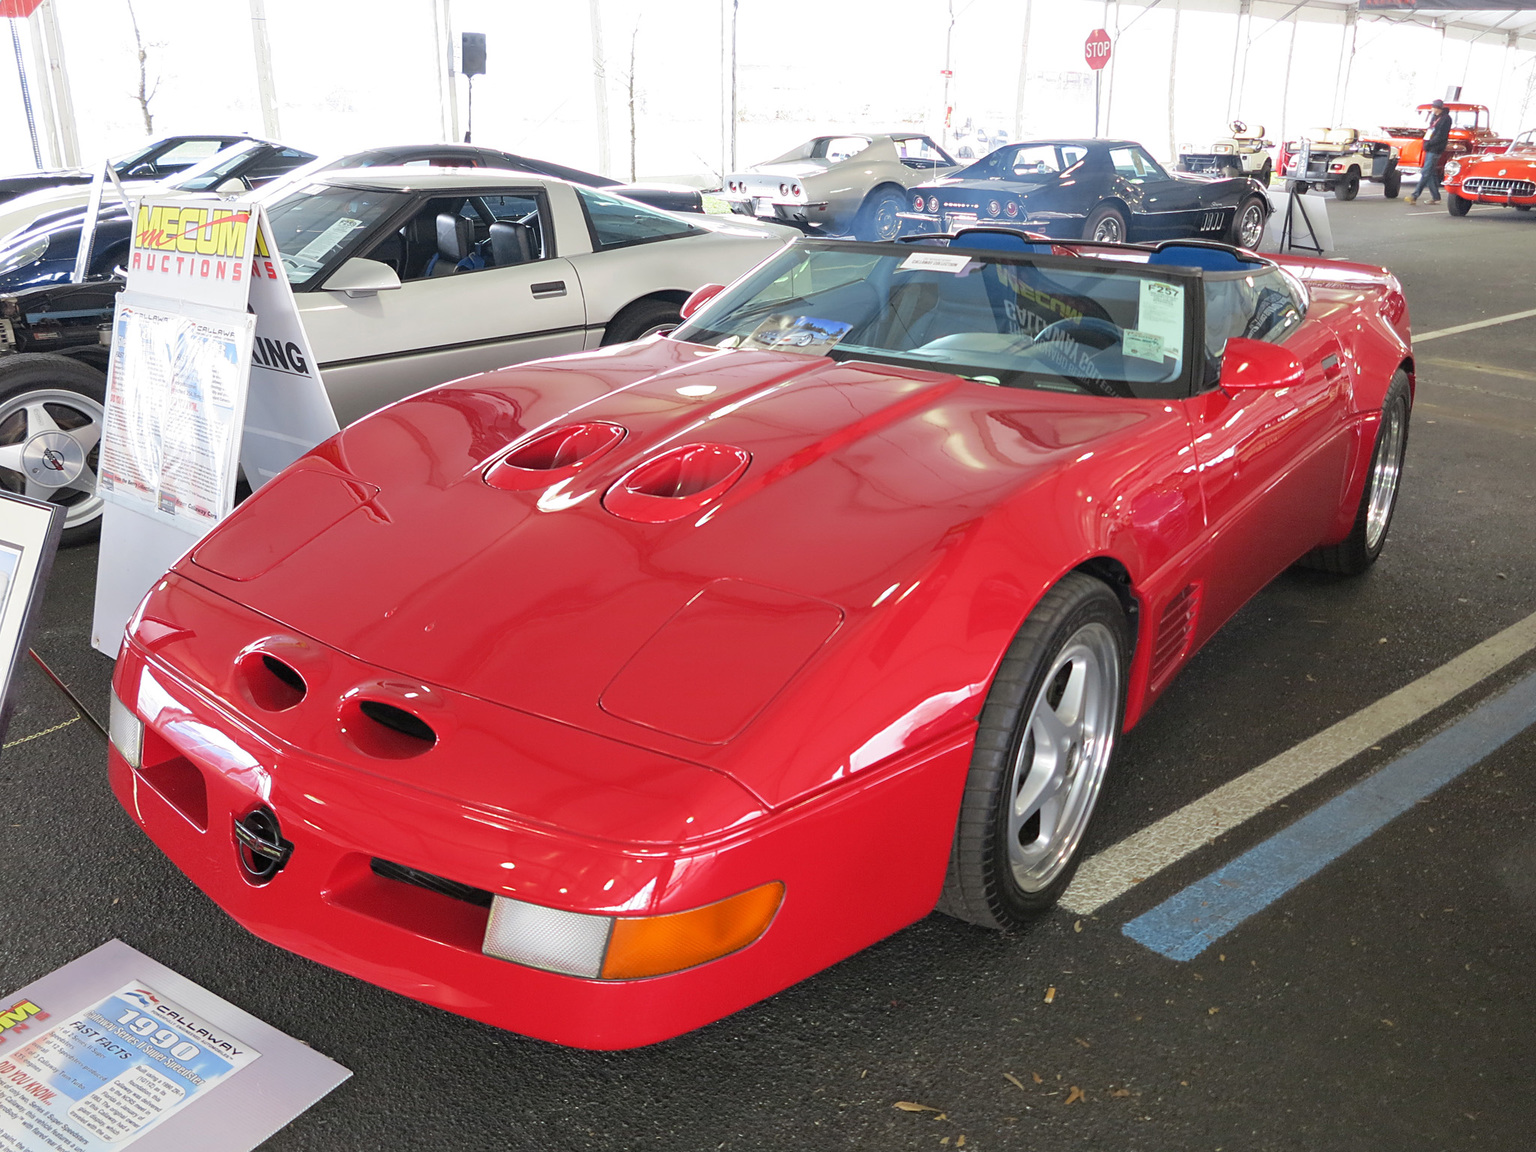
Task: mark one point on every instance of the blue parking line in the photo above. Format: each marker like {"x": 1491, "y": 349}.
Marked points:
{"x": 1186, "y": 924}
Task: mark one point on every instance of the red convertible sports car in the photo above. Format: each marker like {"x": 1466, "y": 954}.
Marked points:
{"x": 599, "y": 697}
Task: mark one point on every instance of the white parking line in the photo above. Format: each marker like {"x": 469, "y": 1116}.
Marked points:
{"x": 1419, "y": 338}
{"x": 1116, "y": 870}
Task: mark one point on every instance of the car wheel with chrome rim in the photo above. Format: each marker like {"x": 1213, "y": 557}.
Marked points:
{"x": 1248, "y": 223}
{"x": 51, "y": 418}
{"x": 1106, "y": 224}
{"x": 1043, "y": 747}
{"x": 1358, "y": 551}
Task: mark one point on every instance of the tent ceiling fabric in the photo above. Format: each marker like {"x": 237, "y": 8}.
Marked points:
{"x": 1517, "y": 18}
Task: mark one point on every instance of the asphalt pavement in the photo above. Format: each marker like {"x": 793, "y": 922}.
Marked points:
{"x": 1384, "y": 1002}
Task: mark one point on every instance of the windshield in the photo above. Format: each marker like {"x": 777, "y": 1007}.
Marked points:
{"x": 1027, "y": 160}
{"x": 313, "y": 225}
{"x": 1063, "y": 324}
{"x": 1460, "y": 117}
{"x": 212, "y": 171}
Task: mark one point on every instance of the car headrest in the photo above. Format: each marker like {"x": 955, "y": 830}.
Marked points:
{"x": 510, "y": 244}
{"x": 455, "y": 236}
{"x": 1000, "y": 240}
{"x": 1200, "y": 256}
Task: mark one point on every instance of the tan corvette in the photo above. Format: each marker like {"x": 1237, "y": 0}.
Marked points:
{"x": 840, "y": 185}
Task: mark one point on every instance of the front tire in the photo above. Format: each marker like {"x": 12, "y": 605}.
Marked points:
{"x": 642, "y": 318}
{"x": 1457, "y": 205}
{"x": 1266, "y": 174}
{"x": 1107, "y": 225}
{"x": 51, "y": 417}
{"x": 878, "y": 219}
{"x": 1247, "y": 227}
{"x": 1348, "y": 187}
{"x": 1043, "y": 747}
{"x": 1358, "y": 551}
{"x": 1391, "y": 183}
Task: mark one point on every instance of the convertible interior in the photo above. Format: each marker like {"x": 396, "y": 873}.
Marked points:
{"x": 453, "y": 234}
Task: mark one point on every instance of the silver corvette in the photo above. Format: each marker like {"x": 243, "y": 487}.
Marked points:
{"x": 840, "y": 185}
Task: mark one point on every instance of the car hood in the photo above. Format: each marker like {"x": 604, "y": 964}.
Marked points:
{"x": 559, "y": 600}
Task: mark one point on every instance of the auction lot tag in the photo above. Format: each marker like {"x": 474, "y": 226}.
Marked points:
{"x": 160, "y": 1064}
{"x": 1143, "y": 345}
{"x": 934, "y": 262}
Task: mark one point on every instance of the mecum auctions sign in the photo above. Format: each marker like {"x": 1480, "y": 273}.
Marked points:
{"x": 193, "y": 251}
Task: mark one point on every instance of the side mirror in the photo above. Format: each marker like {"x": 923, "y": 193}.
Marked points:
{"x": 1249, "y": 364}
{"x": 233, "y": 187}
{"x": 140, "y": 172}
{"x": 360, "y": 277}
{"x": 700, "y": 297}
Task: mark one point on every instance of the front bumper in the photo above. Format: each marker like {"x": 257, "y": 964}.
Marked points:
{"x": 211, "y": 757}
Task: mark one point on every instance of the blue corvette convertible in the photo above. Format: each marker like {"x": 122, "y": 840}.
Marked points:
{"x": 1107, "y": 190}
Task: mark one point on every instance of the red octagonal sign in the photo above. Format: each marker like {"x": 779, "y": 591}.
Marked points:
{"x": 1096, "y": 49}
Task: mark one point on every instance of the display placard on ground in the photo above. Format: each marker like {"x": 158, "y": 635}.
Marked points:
{"x": 115, "y": 1050}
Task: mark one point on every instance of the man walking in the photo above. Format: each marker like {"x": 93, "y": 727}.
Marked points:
{"x": 1435, "y": 141}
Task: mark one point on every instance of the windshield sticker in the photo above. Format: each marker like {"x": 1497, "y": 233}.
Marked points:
{"x": 1143, "y": 345}
{"x": 935, "y": 262}
{"x": 786, "y": 333}
{"x": 1162, "y": 312}
{"x": 329, "y": 240}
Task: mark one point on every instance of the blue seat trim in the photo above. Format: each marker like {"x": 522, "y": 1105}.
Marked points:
{"x": 999, "y": 240}
{"x": 1199, "y": 256}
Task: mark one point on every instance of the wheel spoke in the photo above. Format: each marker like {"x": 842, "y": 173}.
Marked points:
{"x": 10, "y": 457}
{"x": 37, "y": 491}
{"x": 85, "y": 482}
{"x": 38, "y": 419}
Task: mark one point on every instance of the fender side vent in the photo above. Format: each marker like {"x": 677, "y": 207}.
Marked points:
{"x": 1175, "y": 630}
{"x": 439, "y": 884}
{"x": 398, "y": 720}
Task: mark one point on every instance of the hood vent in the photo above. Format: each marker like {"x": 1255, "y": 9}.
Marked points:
{"x": 552, "y": 455}
{"x": 272, "y": 684}
{"x": 384, "y": 731}
{"x": 680, "y": 481}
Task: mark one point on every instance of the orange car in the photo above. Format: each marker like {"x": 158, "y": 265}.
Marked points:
{"x": 1469, "y": 133}
{"x": 1507, "y": 178}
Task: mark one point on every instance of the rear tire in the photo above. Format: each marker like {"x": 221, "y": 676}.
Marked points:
{"x": 1043, "y": 744}
{"x": 1358, "y": 551}
{"x": 1457, "y": 205}
{"x": 878, "y": 219}
{"x": 1106, "y": 224}
{"x": 642, "y": 318}
{"x": 1266, "y": 174}
{"x": 1247, "y": 227}
{"x": 1391, "y": 183}
{"x": 1348, "y": 187}
{"x": 51, "y": 417}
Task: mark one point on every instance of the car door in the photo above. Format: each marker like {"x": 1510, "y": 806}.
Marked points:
{"x": 439, "y": 325}
{"x": 1271, "y": 460}
{"x": 1164, "y": 207}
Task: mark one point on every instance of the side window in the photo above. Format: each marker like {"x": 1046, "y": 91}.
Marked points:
{"x": 1260, "y": 307}
{"x": 454, "y": 160}
{"x": 1127, "y": 162}
{"x": 1072, "y": 154}
{"x": 449, "y": 236}
{"x": 275, "y": 164}
{"x": 921, "y": 152}
{"x": 617, "y": 223}
{"x": 840, "y": 148}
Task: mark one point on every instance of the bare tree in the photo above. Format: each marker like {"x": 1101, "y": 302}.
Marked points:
{"x": 145, "y": 93}
{"x": 633, "y": 137}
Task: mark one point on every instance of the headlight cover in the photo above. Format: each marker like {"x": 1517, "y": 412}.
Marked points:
{"x": 1452, "y": 167}
{"x": 26, "y": 252}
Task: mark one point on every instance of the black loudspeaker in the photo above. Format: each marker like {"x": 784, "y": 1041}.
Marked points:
{"x": 473, "y": 54}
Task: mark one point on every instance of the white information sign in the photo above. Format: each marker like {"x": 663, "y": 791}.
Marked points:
{"x": 211, "y": 372}
{"x": 116, "y": 1051}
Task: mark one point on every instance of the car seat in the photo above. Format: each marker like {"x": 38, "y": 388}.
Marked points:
{"x": 455, "y": 244}
{"x": 1000, "y": 240}
{"x": 510, "y": 244}
{"x": 1206, "y": 257}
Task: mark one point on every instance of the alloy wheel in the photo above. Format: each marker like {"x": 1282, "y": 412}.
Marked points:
{"x": 50, "y": 444}
{"x": 1386, "y": 471}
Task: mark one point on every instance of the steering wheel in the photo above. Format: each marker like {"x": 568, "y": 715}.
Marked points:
{"x": 1089, "y": 330}
{"x": 1238, "y": 127}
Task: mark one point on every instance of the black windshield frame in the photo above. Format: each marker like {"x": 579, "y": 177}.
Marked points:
{"x": 1188, "y": 383}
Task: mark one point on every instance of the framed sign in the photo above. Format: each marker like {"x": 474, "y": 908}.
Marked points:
{"x": 29, "y": 536}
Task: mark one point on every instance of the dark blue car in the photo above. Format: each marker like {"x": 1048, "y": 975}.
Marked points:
{"x": 1106, "y": 190}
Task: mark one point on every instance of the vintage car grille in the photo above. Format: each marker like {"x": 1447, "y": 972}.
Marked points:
{"x": 1488, "y": 186}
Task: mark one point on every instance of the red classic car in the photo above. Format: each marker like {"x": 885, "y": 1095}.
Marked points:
{"x": 1507, "y": 178}
{"x": 1469, "y": 133}
{"x": 600, "y": 697}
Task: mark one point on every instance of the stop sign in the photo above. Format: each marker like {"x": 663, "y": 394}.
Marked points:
{"x": 1096, "y": 49}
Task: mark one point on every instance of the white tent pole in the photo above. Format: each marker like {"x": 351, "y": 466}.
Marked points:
{"x": 1114, "y": 59}
{"x": 599, "y": 83}
{"x": 1352, "y": 19}
{"x": 45, "y": 91}
{"x": 264, "y": 86}
{"x": 1285, "y": 89}
{"x": 1173, "y": 73}
{"x": 64, "y": 105}
{"x": 1239, "y": 54}
{"x": 447, "y": 86}
{"x": 1018, "y": 104}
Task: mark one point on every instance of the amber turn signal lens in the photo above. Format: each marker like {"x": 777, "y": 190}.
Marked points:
{"x": 655, "y": 945}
